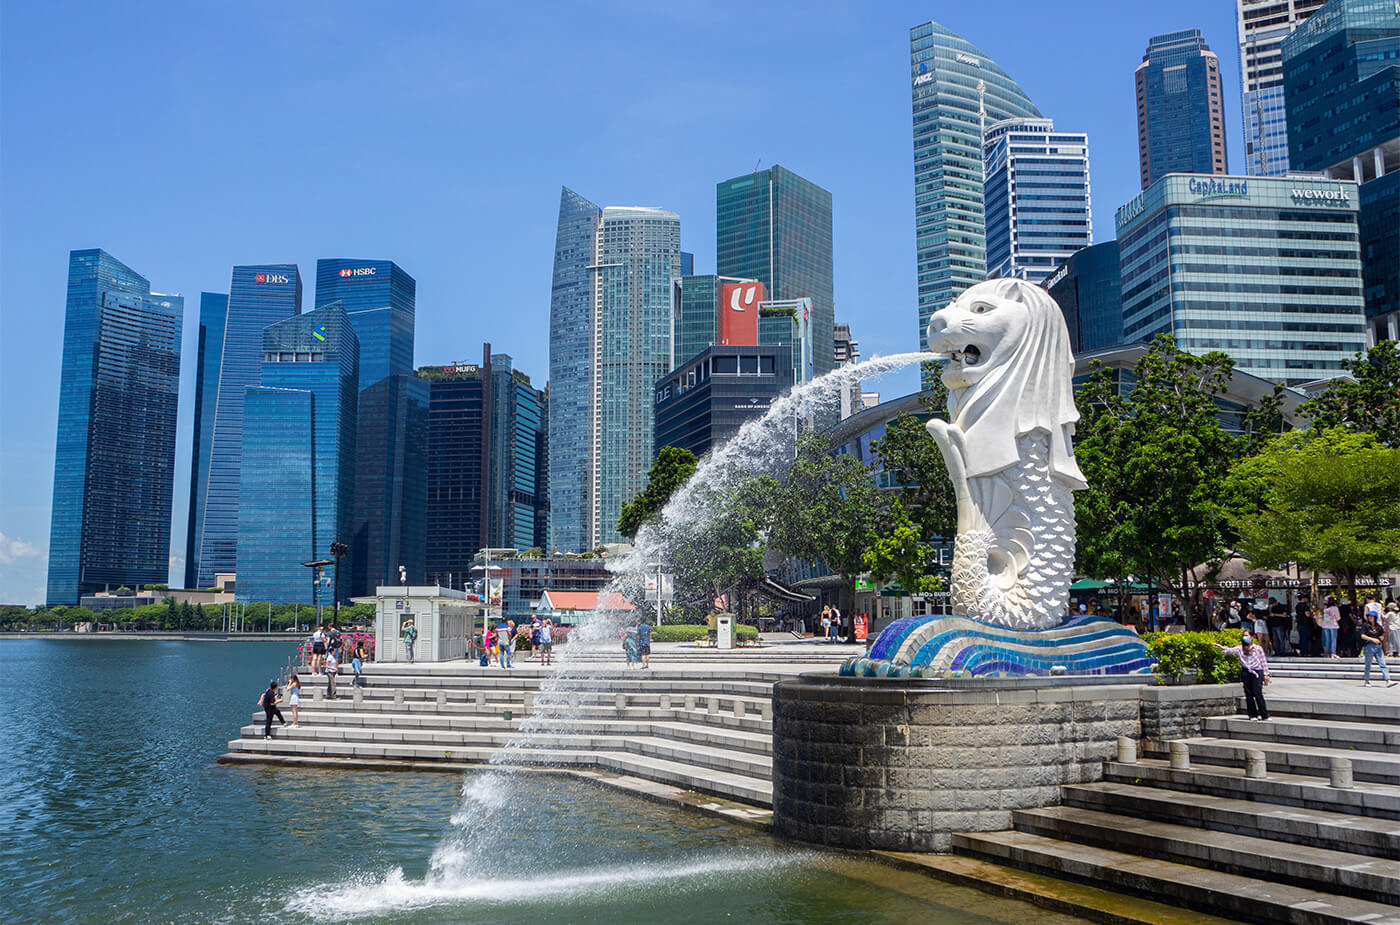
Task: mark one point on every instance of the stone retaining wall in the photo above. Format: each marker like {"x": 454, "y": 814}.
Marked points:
{"x": 1176, "y": 712}
{"x": 901, "y": 765}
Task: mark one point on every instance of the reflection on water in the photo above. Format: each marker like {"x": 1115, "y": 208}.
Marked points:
{"x": 113, "y": 810}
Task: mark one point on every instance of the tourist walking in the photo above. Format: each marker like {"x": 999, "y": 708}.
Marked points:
{"x": 334, "y": 642}
{"x": 332, "y": 669}
{"x": 1254, "y": 674}
{"x": 1303, "y": 619}
{"x": 318, "y": 650}
{"x": 535, "y": 626}
{"x": 1330, "y": 623}
{"x": 505, "y": 641}
{"x": 644, "y": 642}
{"x": 826, "y": 622}
{"x": 357, "y": 662}
{"x": 294, "y": 698}
{"x": 269, "y": 701}
{"x": 1372, "y": 639}
{"x": 835, "y": 624}
{"x": 547, "y": 642}
{"x": 409, "y": 634}
{"x": 1392, "y": 617}
{"x": 630, "y": 646}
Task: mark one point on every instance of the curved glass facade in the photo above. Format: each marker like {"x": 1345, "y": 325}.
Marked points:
{"x": 957, "y": 91}
{"x": 213, "y": 309}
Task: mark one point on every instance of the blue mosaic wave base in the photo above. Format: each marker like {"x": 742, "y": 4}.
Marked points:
{"x": 937, "y": 646}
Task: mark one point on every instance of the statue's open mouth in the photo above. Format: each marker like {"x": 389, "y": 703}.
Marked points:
{"x": 967, "y": 356}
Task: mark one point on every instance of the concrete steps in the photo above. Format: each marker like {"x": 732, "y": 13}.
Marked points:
{"x": 1248, "y": 899}
{"x": 1286, "y": 847}
{"x": 1338, "y": 669}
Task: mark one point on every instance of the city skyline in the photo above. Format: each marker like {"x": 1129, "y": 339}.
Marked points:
{"x": 866, "y": 170}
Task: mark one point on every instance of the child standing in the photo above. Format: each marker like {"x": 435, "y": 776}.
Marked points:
{"x": 294, "y": 696}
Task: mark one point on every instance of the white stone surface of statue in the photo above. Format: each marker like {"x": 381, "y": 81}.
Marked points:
{"x": 1007, "y": 445}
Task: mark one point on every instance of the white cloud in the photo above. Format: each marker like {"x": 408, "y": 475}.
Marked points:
{"x": 12, "y": 548}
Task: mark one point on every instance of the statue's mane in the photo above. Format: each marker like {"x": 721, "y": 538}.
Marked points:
{"x": 1032, "y": 389}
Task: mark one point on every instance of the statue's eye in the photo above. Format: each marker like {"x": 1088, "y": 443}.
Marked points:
{"x": 979, "y": 308}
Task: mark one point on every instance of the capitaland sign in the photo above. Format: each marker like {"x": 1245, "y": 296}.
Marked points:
{"x": 358, "y": 271}
{"x": 1328, "y": 197}
{"x": 271, "y": 278}
{"x": 1211, "y": 188}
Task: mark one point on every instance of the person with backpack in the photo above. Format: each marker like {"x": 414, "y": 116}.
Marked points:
{"x": 269, "y": 701}
{"x": 644, "y": 642}
{"x": 547, "y": 642}
{"x": 505, "y": 642}
{"x": 410, "y": 636}
{"x": 334, "y": 642}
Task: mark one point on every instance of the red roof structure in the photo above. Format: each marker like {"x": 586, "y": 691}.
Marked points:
{"x": 583, "y": 601}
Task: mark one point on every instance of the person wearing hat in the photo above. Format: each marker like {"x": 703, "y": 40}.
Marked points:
{"x": 410, "y": 636}
{"x": 1391, "y": 617}
{"x": 268, "y": 701}
{"x": 1254, "y": 674}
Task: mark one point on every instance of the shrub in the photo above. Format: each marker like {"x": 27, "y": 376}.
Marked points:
{"x": 678, "y": 632}
{"x": 1178, "y": 653}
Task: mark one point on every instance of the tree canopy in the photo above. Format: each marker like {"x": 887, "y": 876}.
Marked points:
{"x": 1367, "y": 401}
{"x": 672, "y": 469}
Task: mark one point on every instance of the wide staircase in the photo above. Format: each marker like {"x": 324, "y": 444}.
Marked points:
{"x": 707, "y": 729}
{"x": 1294, "y": 819}
{"x": 1333, "y": 669}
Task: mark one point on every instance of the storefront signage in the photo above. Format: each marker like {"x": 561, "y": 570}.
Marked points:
{"x": 1331, "y": 197}
{"x": 1217, "y": 189}
{"x": 358, "y": 271}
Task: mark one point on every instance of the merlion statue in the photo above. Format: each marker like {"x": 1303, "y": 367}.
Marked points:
{"x": 1007, "y": 446}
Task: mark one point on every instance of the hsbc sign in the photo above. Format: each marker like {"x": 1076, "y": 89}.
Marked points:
{"x": 358, "y": 271}
{"x": 271, "y": 278}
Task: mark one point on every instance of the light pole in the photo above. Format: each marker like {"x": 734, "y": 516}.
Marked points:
{"x": 338, "y": 551}
{"x": 318, "y": 575}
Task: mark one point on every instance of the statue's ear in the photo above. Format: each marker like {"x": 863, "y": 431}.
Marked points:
{"x": 1009, "y": 288}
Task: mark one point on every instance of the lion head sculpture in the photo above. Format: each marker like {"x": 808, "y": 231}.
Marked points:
{"x": 1009, "y": 372}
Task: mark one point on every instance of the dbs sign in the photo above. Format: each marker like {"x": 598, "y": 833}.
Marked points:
{"x": 738, "y": 313}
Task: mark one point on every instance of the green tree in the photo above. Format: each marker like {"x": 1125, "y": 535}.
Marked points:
{"x": 722, "y": 552}
{"x": 828, "y": 510}
{"x": 672, "y": 469}
{"x": 1329, "y": 500}
{"x": 899, "y": 550}
{"x": 1157, "y": 460}
{"x": 1367, "y": 401}
{"x": 926, "y": 508}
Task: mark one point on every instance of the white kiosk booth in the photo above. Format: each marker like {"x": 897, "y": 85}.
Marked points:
{"x": 444, "y": 617}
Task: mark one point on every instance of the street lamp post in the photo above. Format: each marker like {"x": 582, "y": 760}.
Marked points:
{"x": 318, "y": 576}
{"x": 338, "y": 551}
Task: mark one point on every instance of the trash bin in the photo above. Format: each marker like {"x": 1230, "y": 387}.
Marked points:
{"x": 724, "y": 631}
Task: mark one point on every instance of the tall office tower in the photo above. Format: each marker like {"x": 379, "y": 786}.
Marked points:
{"x": 1341, "y": 72}
{"x": 390, "y": 511}
{"x": 485, "y": 462}
{"x": 957, "y": 92}
{"x": 541, "y": 539}
{"x": 609, "y": 342}
{"x": 114, "y": 464}
{"x": 847, "y": 350}
{"x": 213, "y": 309}
{"x": 775, "y": 227}
{"x": 1283, "y": 296}
{"x": 1086, "y": 287}
{"x": 1180, "y": 113}
{"x": 1262, "y": 25}
{"x": 704, "y": 401}
{"x": 710, "y": 310}
{"x": 1037, "y": 197}
{"x": 259, "y": 296}
{"x": 379, "y": 298}
{"x": 296, "y": 490}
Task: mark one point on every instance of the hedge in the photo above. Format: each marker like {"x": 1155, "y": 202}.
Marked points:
{"x": 1178, "y": 653}
{"x": 687, "y": 632}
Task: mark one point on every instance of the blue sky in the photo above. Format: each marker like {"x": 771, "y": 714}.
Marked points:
{"x": 186, "y": 137}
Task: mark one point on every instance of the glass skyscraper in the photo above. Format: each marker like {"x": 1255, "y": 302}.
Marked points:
{"x": 114, "y": 463}
{"x": 1262, "y": 25}
{"x": 1341, "y": 72}
{"x": 1036, "y": 197}
{"x": 1088, "y": 292}
{"x": 957, "y": 92}
{"x": 1180, "y": 110}
{"x": 380, "y": 299}
{"x": 775, "y": 227}
{"x": 297, "y": 480}
{"x": 259, "y": 295}
{"x": 213, "y": 309}
{"x": 609, "y": 342}
{"x": 1266, "y": 269}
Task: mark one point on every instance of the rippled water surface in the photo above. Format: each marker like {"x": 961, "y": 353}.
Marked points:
{"x": 112, "y": 809}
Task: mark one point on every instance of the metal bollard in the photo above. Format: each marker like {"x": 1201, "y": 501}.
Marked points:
{"x": 1127, "y": 750}
{"x": 738, "y": 709}
{"x": 621, "y": 700}
{"x": 665, "y": 701}
{"x": 442, "y": 698}
{"x": 1181, "y": 756}
{"x": 398, "y": 697}
{"x": 690, "y": 701}
{"x": 1255, "y": 767}
{"x": 1341, "y": 773}
{"x": 359, "y": 697}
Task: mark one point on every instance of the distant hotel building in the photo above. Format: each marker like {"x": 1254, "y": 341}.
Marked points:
{"x": 114, "y": 463}
{"x": 1265, "y": 269}
{"x": 1262, "y": 26}
{"x": 775, "y": 227}
{"x": 486, "y": 464}
{"x": 296, "y": 490}
{"x": 1087, "y": 289}
{"x": 1036, "y": 196}
{"x": 704, "y": 402}
{"x": 608, "y": 344}
{"x": 957, "y": 92}
{"x": 259, "y": 296}
{"x": 1341, "y": 73}
{"x": 1180, "y": 112}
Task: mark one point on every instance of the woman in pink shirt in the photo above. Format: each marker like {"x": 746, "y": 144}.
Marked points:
{"x": 1331, "y": 621}
{"x": 1255, "y": 670}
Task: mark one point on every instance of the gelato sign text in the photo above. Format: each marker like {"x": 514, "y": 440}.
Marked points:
{"x": 1215, "y": 189}
{"x": 1326, "y": 196}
